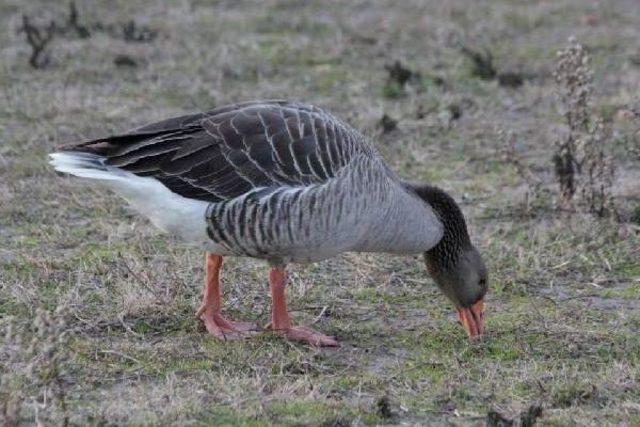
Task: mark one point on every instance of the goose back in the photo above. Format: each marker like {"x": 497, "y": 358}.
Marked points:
{"x": 227, "y": 152}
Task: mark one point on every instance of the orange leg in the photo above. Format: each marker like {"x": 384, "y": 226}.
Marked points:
{"x": 210, "y": 308}
{"x": 280, "y": 322}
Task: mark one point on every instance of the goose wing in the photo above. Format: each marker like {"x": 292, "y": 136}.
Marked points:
{"x": 226, "y": 152}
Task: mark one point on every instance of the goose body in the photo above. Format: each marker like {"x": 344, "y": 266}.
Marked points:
{"x": 276, "y": 180}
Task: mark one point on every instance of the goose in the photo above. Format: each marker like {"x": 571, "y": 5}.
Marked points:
{"x": 284, "y": 182}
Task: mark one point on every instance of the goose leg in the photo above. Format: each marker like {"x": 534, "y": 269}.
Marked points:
{"x": 280, "y": 322}
{"x": 211, "y": 307}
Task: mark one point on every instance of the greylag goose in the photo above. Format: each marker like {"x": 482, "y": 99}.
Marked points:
{"x": 288, "y": 183}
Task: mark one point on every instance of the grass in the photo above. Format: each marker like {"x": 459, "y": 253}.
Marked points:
{"x": 562, "y": 320}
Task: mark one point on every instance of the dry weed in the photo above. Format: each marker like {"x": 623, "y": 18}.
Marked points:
{"x": 583, "y": 163}
{"x": 582, "y": 159}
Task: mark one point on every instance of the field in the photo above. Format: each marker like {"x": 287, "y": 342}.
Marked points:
{"x": 97, "y": 307}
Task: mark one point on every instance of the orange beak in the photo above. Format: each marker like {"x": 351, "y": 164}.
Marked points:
{"x": 472, "y": 319}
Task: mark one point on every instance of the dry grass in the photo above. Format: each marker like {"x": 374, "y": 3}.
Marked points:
{"x": 563, "y": 322}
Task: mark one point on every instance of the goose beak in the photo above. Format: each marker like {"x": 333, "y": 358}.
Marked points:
{"x": 472, "y": 319}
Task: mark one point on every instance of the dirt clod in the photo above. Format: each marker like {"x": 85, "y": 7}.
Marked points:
{"x": 398, "y": 72}
{"x": 383, "y": 407}
{"x": 123, "y": 60}
{"x": 387, "y": 123}
{"x": 482, "y": 63}
{"x": 510, "y": 79}
{"x": 529, "y": 417}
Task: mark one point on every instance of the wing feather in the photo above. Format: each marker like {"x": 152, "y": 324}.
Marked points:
{"x": 232, "y": 150}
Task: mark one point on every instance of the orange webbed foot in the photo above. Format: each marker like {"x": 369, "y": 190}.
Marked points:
{"x": 305, "y": 335}
{"x": 280, "y": 322}
{"x": 222, "y": 328}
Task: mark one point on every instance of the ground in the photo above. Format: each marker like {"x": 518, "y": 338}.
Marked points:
{"x": 562, "y": 315}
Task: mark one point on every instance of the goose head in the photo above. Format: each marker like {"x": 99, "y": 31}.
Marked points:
{"x": 454, "y": 263}
{"x": 464, "y": 282}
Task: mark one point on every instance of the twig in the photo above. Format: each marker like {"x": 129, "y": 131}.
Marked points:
{"x": 74, "y": 22}
{"x": 317, "y": 319}
{"x": 38, "y": 40}
{"x": 143, "y": 282}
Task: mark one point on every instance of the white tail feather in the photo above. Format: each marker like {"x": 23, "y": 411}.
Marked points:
{"x": 85, "y": 165}
{"x": 169, "y": 211}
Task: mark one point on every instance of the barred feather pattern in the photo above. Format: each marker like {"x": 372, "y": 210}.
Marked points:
{"x": 227, "y": 152}
{"x": 284, "y": 181}
{"x": 362, "y": 209}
